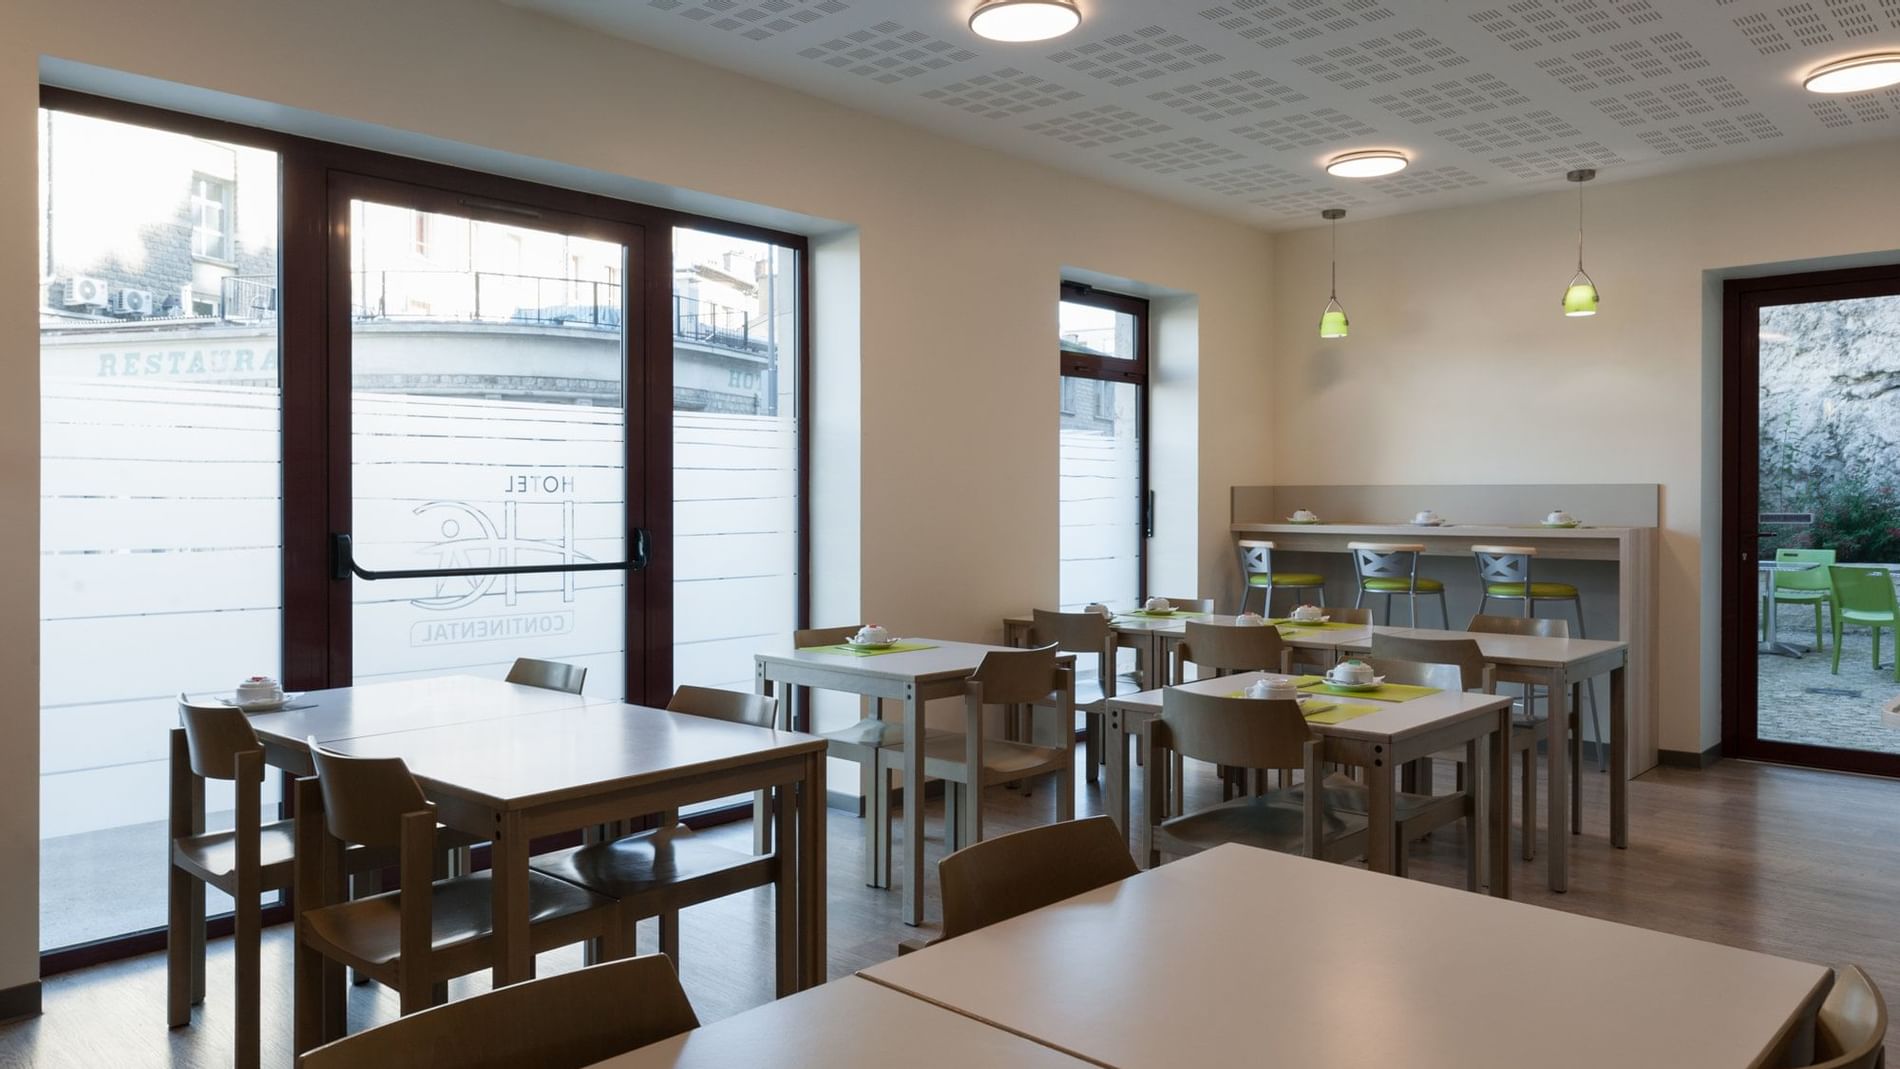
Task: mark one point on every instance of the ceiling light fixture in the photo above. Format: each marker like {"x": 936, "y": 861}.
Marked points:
{"x": 1016, "y": 21}
{"x": 1332, "y": 321}
{"x": 1580, "y": 297}
{"x": 1857, "y": 74}
{"x": 1371, "y": 163}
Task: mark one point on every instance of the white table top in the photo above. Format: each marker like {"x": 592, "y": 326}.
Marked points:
{"x": 1530, "y": 651}
{"x": 522, "y": 761}
{"x": 1394, "y": 720}
{"x": 1235, "y": 954}
{"x": 944, "y": 660}
{"x": 407, "y": 705}
{"x": 1410, "y": 531}
{"x": 846, "y": 1024}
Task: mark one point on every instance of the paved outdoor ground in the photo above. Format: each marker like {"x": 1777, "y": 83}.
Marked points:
{"x": 1801, "y": 701}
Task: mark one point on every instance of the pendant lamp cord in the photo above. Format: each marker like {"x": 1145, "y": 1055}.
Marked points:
{"x": 1333, "y": 295}
{"x": 1579, "y": 226}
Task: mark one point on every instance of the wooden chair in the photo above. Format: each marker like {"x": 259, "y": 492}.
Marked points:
{"x": 413, "y": 940}
{"x": 968, "y": 762}
{"x": 568, "y": 1021}
{"x": 657, "y": 873}
{"x": 245, "y": 862}
{"x": 1349, "y": 614}
{"x": 1321, "y": 659}
{"x": 548, "y": 675}
{"x": 1244, "y": 733}
{"x": 1528, "y": 730}
{"x": 1191, "y": 604}
{"x": 1084, "y": 633}
{"x": 1225, "y": 648}
{"x": 1462, "y": 653}
{"x": 1000, "y": 878}
{"x": 860, "y": 744}
{"x": 1852, "y": 1025}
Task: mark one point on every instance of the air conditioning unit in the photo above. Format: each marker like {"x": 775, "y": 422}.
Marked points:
{"x": 133, "y": 302}
{"x": 81, "y": 290}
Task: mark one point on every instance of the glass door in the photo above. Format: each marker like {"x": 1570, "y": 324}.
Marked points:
{"x": 1815, "y": 451}
{"x": 491, "y": 460}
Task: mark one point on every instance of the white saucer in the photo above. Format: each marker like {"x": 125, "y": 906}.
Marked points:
{"x": 870, "y": 645}
{"x": 267, "y": 705}
{"x": 1377, "y": 682}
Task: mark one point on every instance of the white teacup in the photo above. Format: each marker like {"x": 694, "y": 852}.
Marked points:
{"x": 1259, "y": 688}
{"x": 871, "y": 635}
{"x": 1158, "y": 605}
{"x": 1281, "y": 688}
{"x": 1559, "y": 516}
{"x": 1096, "y": 606}
{"x": 259, "y": 689}
{"x": 1309, "y": 614}
{"x": 1304, "y": 516}
{"x": 1354, "y": 672}
{"x": 1250, "y": 619}
{"x": 1425, "y": 517}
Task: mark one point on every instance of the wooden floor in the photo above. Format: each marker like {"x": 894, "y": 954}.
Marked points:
{"x": 1793, "y": 862}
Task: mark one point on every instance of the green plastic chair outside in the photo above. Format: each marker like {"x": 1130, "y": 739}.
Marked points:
{"x": 1865, "y": 596}
{"x": 1810, "y": 587}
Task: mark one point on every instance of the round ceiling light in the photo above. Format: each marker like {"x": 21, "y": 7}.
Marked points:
{"x": 1859, "y": 74}
{"x": 1017, "y": 21}
{"x": 1368, "y": 164}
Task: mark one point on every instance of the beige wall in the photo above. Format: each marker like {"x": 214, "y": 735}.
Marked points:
{"x": 959, "y": 253}
{"x": 1458, "y": 345}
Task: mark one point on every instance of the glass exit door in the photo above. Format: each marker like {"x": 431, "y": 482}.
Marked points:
{"x": 490, "y": 461}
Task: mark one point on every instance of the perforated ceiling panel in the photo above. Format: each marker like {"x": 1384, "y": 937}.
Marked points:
{"x": 1235, "y": 105}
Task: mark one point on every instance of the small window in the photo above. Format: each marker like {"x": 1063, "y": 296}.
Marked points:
{"x": 424, "y": 235}
{"x": 210, "y": 217}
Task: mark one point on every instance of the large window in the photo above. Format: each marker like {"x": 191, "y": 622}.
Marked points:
{"x": 1103, "y": 461}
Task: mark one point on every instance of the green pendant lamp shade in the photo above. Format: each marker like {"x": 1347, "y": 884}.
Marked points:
{"x": 1332, "y": 322}
{"x": 1580, "y": 296}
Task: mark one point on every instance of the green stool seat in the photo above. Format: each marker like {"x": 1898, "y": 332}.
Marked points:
{"x": 1290, "y": 579}
{"x": 1538, "y": 590}
{"x": 1400, "y": 586}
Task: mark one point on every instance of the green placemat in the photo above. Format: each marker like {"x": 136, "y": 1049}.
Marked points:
{"x": 1319, "y": 712}
{"x": 1330, "y": 625}
{"x": 1177, "y": 614}
{"x": 895, "y": 647}
{"x": 1390, "y": 692}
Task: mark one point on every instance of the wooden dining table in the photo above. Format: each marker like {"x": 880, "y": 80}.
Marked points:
{"x": 1240, "y": 956}
{"x": 1379, "y": 744}
{"x": 509, "y": 763}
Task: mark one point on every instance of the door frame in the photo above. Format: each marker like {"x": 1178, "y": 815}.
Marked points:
{"x": 1742, "y": 301}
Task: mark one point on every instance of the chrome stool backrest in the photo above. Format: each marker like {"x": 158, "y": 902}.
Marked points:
{"x": 1504, "y": 564}
{"x": 1380, "y": 560}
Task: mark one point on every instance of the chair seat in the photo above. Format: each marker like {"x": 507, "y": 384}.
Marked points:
{"x": 1292, "y": 579}
{"x": 1787, "y": 595}
{"x": 1273, "y": 821}
{"x": 1401, "y": 586}
{"x": 212, "y": 857}
{"x": 649, "y": 862}
{"x": 874, "y": 734}
{"x": 943, "y": 757}
{"x": 1862, "y": 616}
{"x": 1538, "y": 590}
{"x": 368, "y": 931}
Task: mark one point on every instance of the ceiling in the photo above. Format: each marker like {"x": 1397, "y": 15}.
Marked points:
{"x": 1232, "y": 105}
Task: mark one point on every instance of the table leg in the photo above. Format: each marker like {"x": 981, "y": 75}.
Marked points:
{"x": 508, "y": 861}
{"x": 761, "y": 802}
{"x": 788, "y": 899}
{"x": 913, "y": 807}
{"x": 1478, "y": 819}
{"x": 1619, "y": 757}
{"x": 1116, "y": 791}
{"x": 812, "y": 868}
{"x": 1498, "y": 799}
{"x": 1381, "y": 822}
{"x": 1557, "y": 778}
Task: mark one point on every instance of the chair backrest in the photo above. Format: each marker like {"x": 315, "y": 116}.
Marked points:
{"x": 823, "y": 636}
{"x": 1000, "y": 878}
{"x": 548, "y": 675}
{"x": 1070, "y": 632}
{"x": 1386, "y": 560}
{"x": 1504, "y": 564}
{"x": 732, "y": 706}
{"x": 365, "y": 798}
{"x": 1861, "y": 589}
{"x": 1191, "y": 604}
{"x": 1232, "y": 647}
{"x": 1463, "y": 652}
{"x": 1016, "y": 677}
{"x": 1853, "y": 1023}
{"x": 1808, "y": 578}
{"x": 214, "y": 736}
{"x": 1238, "y": 732}
{"x": 567, "y": 1021}
{"x": 1256, "y": 557}
{"x": 1535, "y": 626}
{"x": 1346, "y": 614}
{"x": 1418, "y": 674}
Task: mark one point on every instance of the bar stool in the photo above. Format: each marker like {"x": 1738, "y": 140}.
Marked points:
{"x": 1390, "y": 568}
{"x": 1504, "y": 572}
{"x": 1256, "y": 572}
